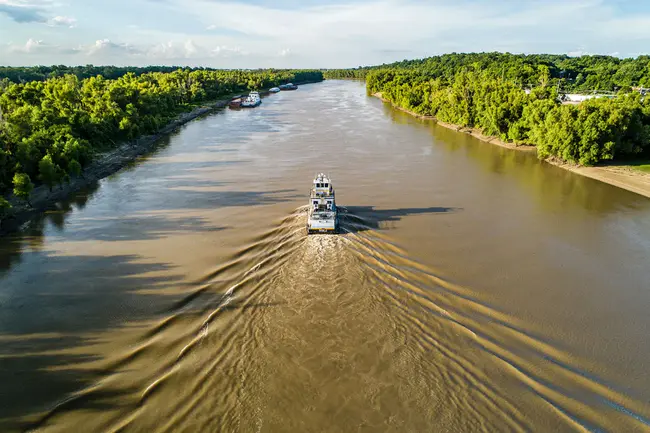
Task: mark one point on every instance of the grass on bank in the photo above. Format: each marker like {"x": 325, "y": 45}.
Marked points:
{"x": 644, "y": 167}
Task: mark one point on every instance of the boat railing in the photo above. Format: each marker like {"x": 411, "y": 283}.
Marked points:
{"x": 322, "y": 194}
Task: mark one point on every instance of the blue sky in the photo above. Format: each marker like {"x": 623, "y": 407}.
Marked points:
{"x": 310, "y": 33}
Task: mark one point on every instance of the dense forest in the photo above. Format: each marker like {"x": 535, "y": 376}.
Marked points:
{"x": 42, "y": 73}
{"x": 358, "y": 73}
{"x": 49, "y": 130}
{"x": 586, "y": 73}
{"x": 516, "y": 98}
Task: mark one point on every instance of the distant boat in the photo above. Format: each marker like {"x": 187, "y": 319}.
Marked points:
{"x": 235, "y": 103}
{"x": 274, "y": 89}
{"x": 288, "y": 86}
{"x": 252, "y": 100}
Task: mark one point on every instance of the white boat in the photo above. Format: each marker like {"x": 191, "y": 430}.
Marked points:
{"x": 323, "y": 214}
{"x": 252, "y": 100}
{"x": 274, "y": 89}
{"x": 288, "y": 86}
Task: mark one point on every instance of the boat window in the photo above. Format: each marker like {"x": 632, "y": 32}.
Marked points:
{"x": 325, "y": 185}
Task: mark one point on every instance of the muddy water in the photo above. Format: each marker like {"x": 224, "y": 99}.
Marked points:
{"x": 473, "y": 289}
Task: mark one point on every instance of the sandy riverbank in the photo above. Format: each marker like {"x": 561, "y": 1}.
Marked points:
{"x": 618, "y": 175}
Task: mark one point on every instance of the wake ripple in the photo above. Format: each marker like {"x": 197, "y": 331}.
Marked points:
{"x": 334, "y": 333}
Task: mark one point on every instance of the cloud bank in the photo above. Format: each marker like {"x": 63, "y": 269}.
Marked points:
{"x": 260, "y": 33}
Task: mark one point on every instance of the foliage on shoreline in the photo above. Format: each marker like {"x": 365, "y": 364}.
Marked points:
{"x": 50, "y": 129}
{"x": 585, "y": 73}
{"x": 344, "y": 74}
{"x": 593, "y": 131}
{"x": 487, "y": 91}
{"x": 23, "y": 74}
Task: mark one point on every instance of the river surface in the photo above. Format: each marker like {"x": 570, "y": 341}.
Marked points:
{"x": 474, "y": 288}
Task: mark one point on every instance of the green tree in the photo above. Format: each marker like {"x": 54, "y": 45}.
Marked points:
{"x": 69, "y": 113}
{"x": 486, "y": 91}
{"x": 23, "y": 187}
{"x": 5, "y": 208}
{"x": 48, "y": 171}
{"x": 74, "y": 168}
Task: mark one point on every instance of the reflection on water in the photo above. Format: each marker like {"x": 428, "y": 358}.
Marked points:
{"x": 553, "y": 187}
{"x": 473, "y": 288}
{"x": 31, "y": 235}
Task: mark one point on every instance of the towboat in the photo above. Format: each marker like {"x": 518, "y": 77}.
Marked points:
{"x": 288, "y": 86}
{"x": 274, "y": 89}
{"x": 252, "y": 100}
{"x": 323, "y": 215}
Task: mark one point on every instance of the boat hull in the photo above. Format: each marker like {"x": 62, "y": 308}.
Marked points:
{"x": 322, "y": 231}
{"x": 320, "y": 224}
{"x": 250, "y": 104}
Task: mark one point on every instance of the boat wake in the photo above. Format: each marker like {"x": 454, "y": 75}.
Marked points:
{"x": 339, "y": 333}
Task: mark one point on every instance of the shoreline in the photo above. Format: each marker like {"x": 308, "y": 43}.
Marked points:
{"x": 104, "y": 164}
{"x": 621, "y": 176}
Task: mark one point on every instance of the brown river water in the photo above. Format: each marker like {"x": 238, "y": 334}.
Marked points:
{"x": 474, "y": 288}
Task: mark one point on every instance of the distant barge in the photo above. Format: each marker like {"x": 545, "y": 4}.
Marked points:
{"x": 288, "y": 86}
{"x": 253, "y": 99}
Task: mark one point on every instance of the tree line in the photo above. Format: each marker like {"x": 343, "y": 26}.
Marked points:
{"x": 23, "y": 74}
{"x": 593, "y": 131}
{"x": 585, "y": 73}
{"x": 515, "y": 97}
{"x": 338, "y": 74}
{"x": 51, "y": 129}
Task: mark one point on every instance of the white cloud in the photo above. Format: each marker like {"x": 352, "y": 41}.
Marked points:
{"x": 63, "y": 21}
{"x": 233, "y": 33}
{"x": 31, "y": 46}
{"x": 226, "y": 51}
{"x": 26, "y": 11}
{"x": 21, "y": 12}
{"x": 171, "y": 50}
{"x": 105, "y": 46}
{"x": 100, "y": 47}
{"x": 578, "y": 53}
{"x": 28, "y": 4}
{"x": 190, "y": 48}
{"x": 379, "y": 30}
{"x": 163, "y": 49}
